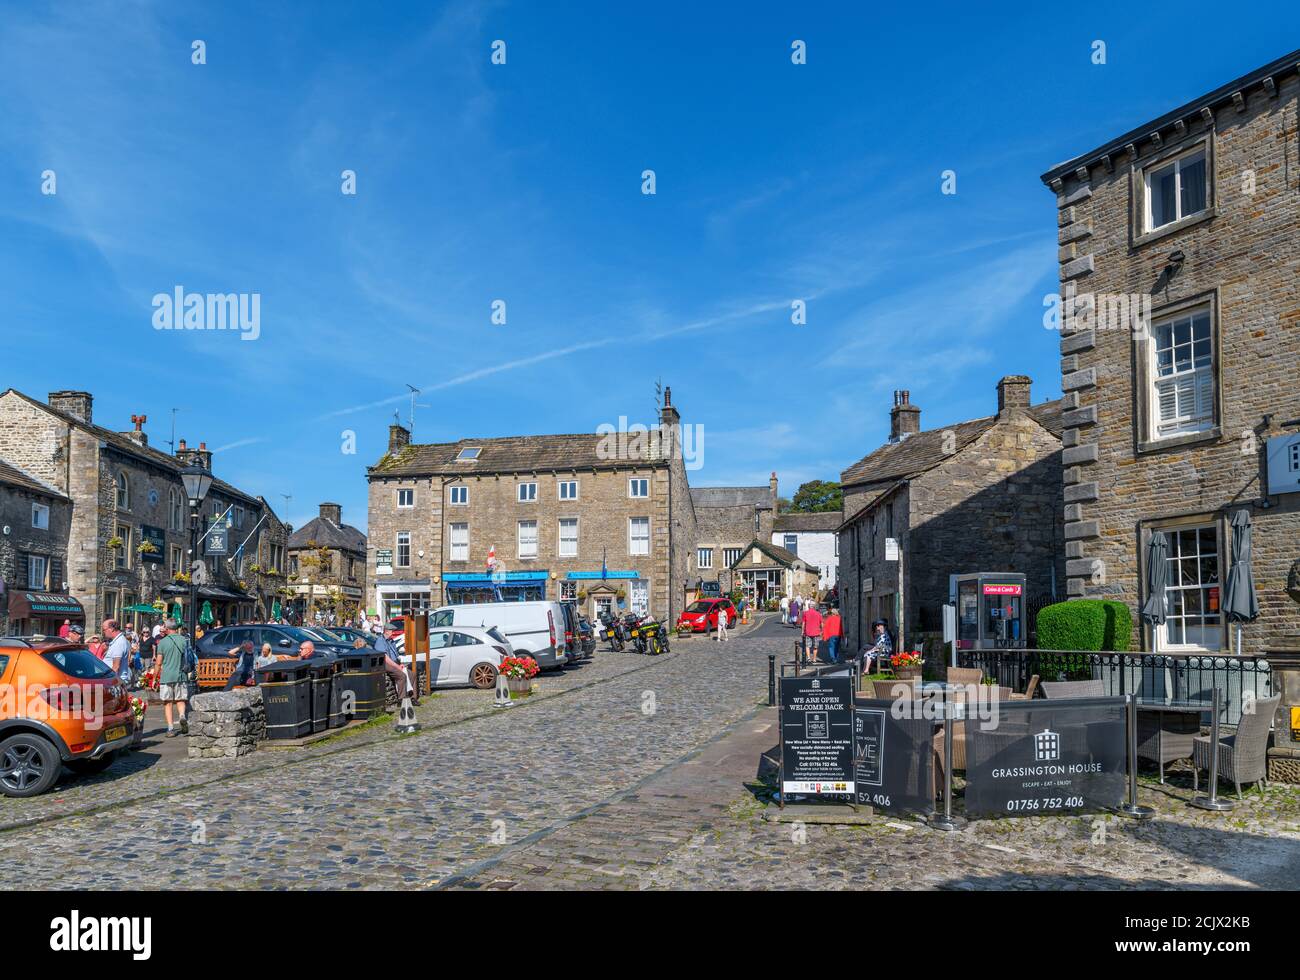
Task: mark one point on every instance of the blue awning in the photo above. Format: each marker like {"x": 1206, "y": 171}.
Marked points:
{"x": 485, "y": 580}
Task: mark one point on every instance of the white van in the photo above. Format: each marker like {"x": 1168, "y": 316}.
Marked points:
{"x": 534, "y": 628}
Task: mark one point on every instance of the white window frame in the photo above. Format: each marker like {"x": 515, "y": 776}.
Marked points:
{"x": 560, "y": 488}
{"x": 633, "y": 538}
{"x": 1201, "y": 380}
{"x": 122, "y": 491}
{"x": 520, "y": 551}
{"x": 397, "y": 549}
{"x": 409, "y": 493}
{"x": 1162, "y": 643}
{"x": 34, "y": 581}
{"x": 176, "y": 559}
{"x": 122, "y": 560}
{"x": 464, "y": 493}
{"x": 526, "y": 493}
{"x": 40, "y": 516}
{"x": 458, "y": 550}
{"x": 1177, "y": 162}
{"x": 703, "y": 558}
{"x": 731, "y": 555}
{"x": 469, "y": 453}
{"x": 635, "y": 483}
{"x": 175, "y": 510}
{"x": 559, "y": 534}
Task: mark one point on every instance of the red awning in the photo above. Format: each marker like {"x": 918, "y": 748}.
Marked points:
{"x": 29, "y": 605}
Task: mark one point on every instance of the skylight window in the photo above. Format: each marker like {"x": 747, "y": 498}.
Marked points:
{"x": 469, "y": 453}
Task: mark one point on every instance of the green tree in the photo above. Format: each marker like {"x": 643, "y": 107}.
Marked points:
{"x": 817, "y": 496}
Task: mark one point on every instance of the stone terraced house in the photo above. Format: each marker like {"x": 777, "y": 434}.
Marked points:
{"x": 327, "y": 560}
{"x": 127, "y": 531}
{"x": 1180, "y": 346}
{"x": 604, "y": 519}
{"x": 983, "y": 495}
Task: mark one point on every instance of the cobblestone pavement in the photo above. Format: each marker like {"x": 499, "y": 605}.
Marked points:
{"x": 630, "y": 773}
{"x": 374, "y": 810}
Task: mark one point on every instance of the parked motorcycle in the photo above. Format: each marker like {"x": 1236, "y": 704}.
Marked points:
{"x": 650, "y": 636}
{"x": 614, "y": 631}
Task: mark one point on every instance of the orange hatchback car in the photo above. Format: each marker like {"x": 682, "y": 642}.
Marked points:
{"x": 59, "y": 705}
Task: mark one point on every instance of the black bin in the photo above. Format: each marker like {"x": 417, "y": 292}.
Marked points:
{"x": 325, "y": 713}
{"x": 360, "y": 681}
{"x": 286, "y": 693}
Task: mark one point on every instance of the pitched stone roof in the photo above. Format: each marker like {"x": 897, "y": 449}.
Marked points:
{"x": 130, "y": 447}
{"x": 925, "y": 450}
{"x": 760, "y": 497}
{"x": 514, "y": 454}
{"x": 326, "y": 534}
{"x": 778, "y": 554}
{"x": 827, "y": 520}
{"x": 15, "y": 477}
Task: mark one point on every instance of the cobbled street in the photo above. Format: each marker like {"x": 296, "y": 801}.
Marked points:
{"x": 629, "y": 772}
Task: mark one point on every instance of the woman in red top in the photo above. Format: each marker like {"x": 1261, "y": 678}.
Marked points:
{"x": 831, "y": 632}
{"x": 97, "y": 646}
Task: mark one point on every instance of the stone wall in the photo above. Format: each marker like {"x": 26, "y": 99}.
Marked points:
{"x": 1240, "y": 258}
{"x": 226, "y": 724}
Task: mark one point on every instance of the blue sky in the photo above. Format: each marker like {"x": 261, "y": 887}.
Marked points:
{"x": 522, "y": 182}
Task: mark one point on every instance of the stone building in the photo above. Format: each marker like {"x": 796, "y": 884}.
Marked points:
{"x": 815, "y": 539}
{"x": 606, "y": 519}
{"x": 983, "y": 495}
{"x": 128, "y": 530}
{"x": 765, "y": 571}
{"x": 35, "y": 520}
{"x": 327, "y": 564}
{"x": 1180, "y": 352}
{"x": 727, "y": 519}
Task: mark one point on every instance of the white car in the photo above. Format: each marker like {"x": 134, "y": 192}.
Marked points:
{"x": 463, "y": 656}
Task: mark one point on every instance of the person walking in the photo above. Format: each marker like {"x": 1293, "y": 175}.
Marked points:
{"x": 794, "y": 612}
{"x": 172, "y": 661}
{"x": 722, "y": 623}
{"x": 812, "y": 631}
{"x": 785, "y": 608}
{"x": 832, "y": 629}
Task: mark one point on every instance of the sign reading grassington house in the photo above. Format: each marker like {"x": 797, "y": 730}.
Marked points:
{"x": 817, "y": 735}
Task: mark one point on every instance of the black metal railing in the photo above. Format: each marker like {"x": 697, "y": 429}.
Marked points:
{"x": 1188, "y": 677}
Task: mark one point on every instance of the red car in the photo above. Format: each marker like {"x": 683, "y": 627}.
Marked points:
{"x": 701, "y": 616}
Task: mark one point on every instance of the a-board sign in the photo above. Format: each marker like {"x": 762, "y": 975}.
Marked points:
{"x": 817, "y": 735}
{"x": 711, "y": 589}
{"x": 1043, "y": 757}
{"x": 893, "y": 758}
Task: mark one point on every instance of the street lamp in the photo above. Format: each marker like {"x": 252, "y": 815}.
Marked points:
{"x": 197, "y": 480}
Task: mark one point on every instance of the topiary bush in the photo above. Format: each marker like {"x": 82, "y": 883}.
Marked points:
{"x": 1085, "y": 624}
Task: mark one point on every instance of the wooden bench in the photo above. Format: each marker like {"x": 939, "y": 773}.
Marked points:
{"x": 216, "y": 671}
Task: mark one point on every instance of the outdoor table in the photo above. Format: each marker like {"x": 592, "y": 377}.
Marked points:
{"x": 1165, "y": 729}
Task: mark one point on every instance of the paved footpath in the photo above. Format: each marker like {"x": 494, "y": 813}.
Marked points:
{"x": 630, "y": 773}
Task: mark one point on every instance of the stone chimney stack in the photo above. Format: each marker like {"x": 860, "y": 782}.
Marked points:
{"x": 74, "y": 403}
{"x": 192, "y": 457}
{"x": 137, "y": 434}
{"x": 399, "y": 437}
{"x": 904, "y": 417}
{"x": 772, "y": 483}
{"x": 669, "y": 415}
{"x": 332, "y": 513}
{"x": 1013, "y": 393}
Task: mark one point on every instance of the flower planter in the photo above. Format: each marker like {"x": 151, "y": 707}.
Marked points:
{"x": 519, "y": 685}
{"x": 907, "y": 673}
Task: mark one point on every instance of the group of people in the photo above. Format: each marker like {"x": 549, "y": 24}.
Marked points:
{"x": 822, "y": 630}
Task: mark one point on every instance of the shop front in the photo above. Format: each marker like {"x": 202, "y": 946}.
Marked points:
{"x": 607, "y": 593}
{"x": 42, "y": 613}
{"x": 403, "y": 596}
{"x": 470, "y": 587}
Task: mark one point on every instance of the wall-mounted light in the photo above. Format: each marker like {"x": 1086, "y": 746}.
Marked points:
{"x": 1176, "y": 260}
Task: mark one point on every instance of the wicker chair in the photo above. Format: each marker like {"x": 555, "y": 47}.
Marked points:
{"x": 1243, "y": 757}
{"x": 885, "y": 689}
{"x": 1073, "y": 689}
{"x": 1030, "y": 690}
{"x": 965, "y": 675}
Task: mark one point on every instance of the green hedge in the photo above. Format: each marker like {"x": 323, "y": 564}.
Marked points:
{"x": 1085, "y": 624}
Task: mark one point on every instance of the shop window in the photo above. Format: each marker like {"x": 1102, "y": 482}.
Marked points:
{"x": 1192, "y": 597}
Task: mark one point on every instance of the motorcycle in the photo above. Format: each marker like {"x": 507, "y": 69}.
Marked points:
{"x": 650, "y": 636}
{"x": 613, "y": 631}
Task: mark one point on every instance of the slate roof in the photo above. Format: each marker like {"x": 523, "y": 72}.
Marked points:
{"x": 129, "y": 446}
{"x": 512, "y": 454}
{"x": 827, "y": 520}
{"x": 924, "y": 450}
{"x": 15, "y": 477}
{"x": 778, "y": 554}
{"x": 327, "y": 534}
{"x": 760, "y": 497}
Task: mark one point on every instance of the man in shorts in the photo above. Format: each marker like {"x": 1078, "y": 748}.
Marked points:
{"x": 173, "y": 679}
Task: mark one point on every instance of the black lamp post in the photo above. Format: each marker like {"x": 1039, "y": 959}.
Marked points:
{"x": 197, "y": 480}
